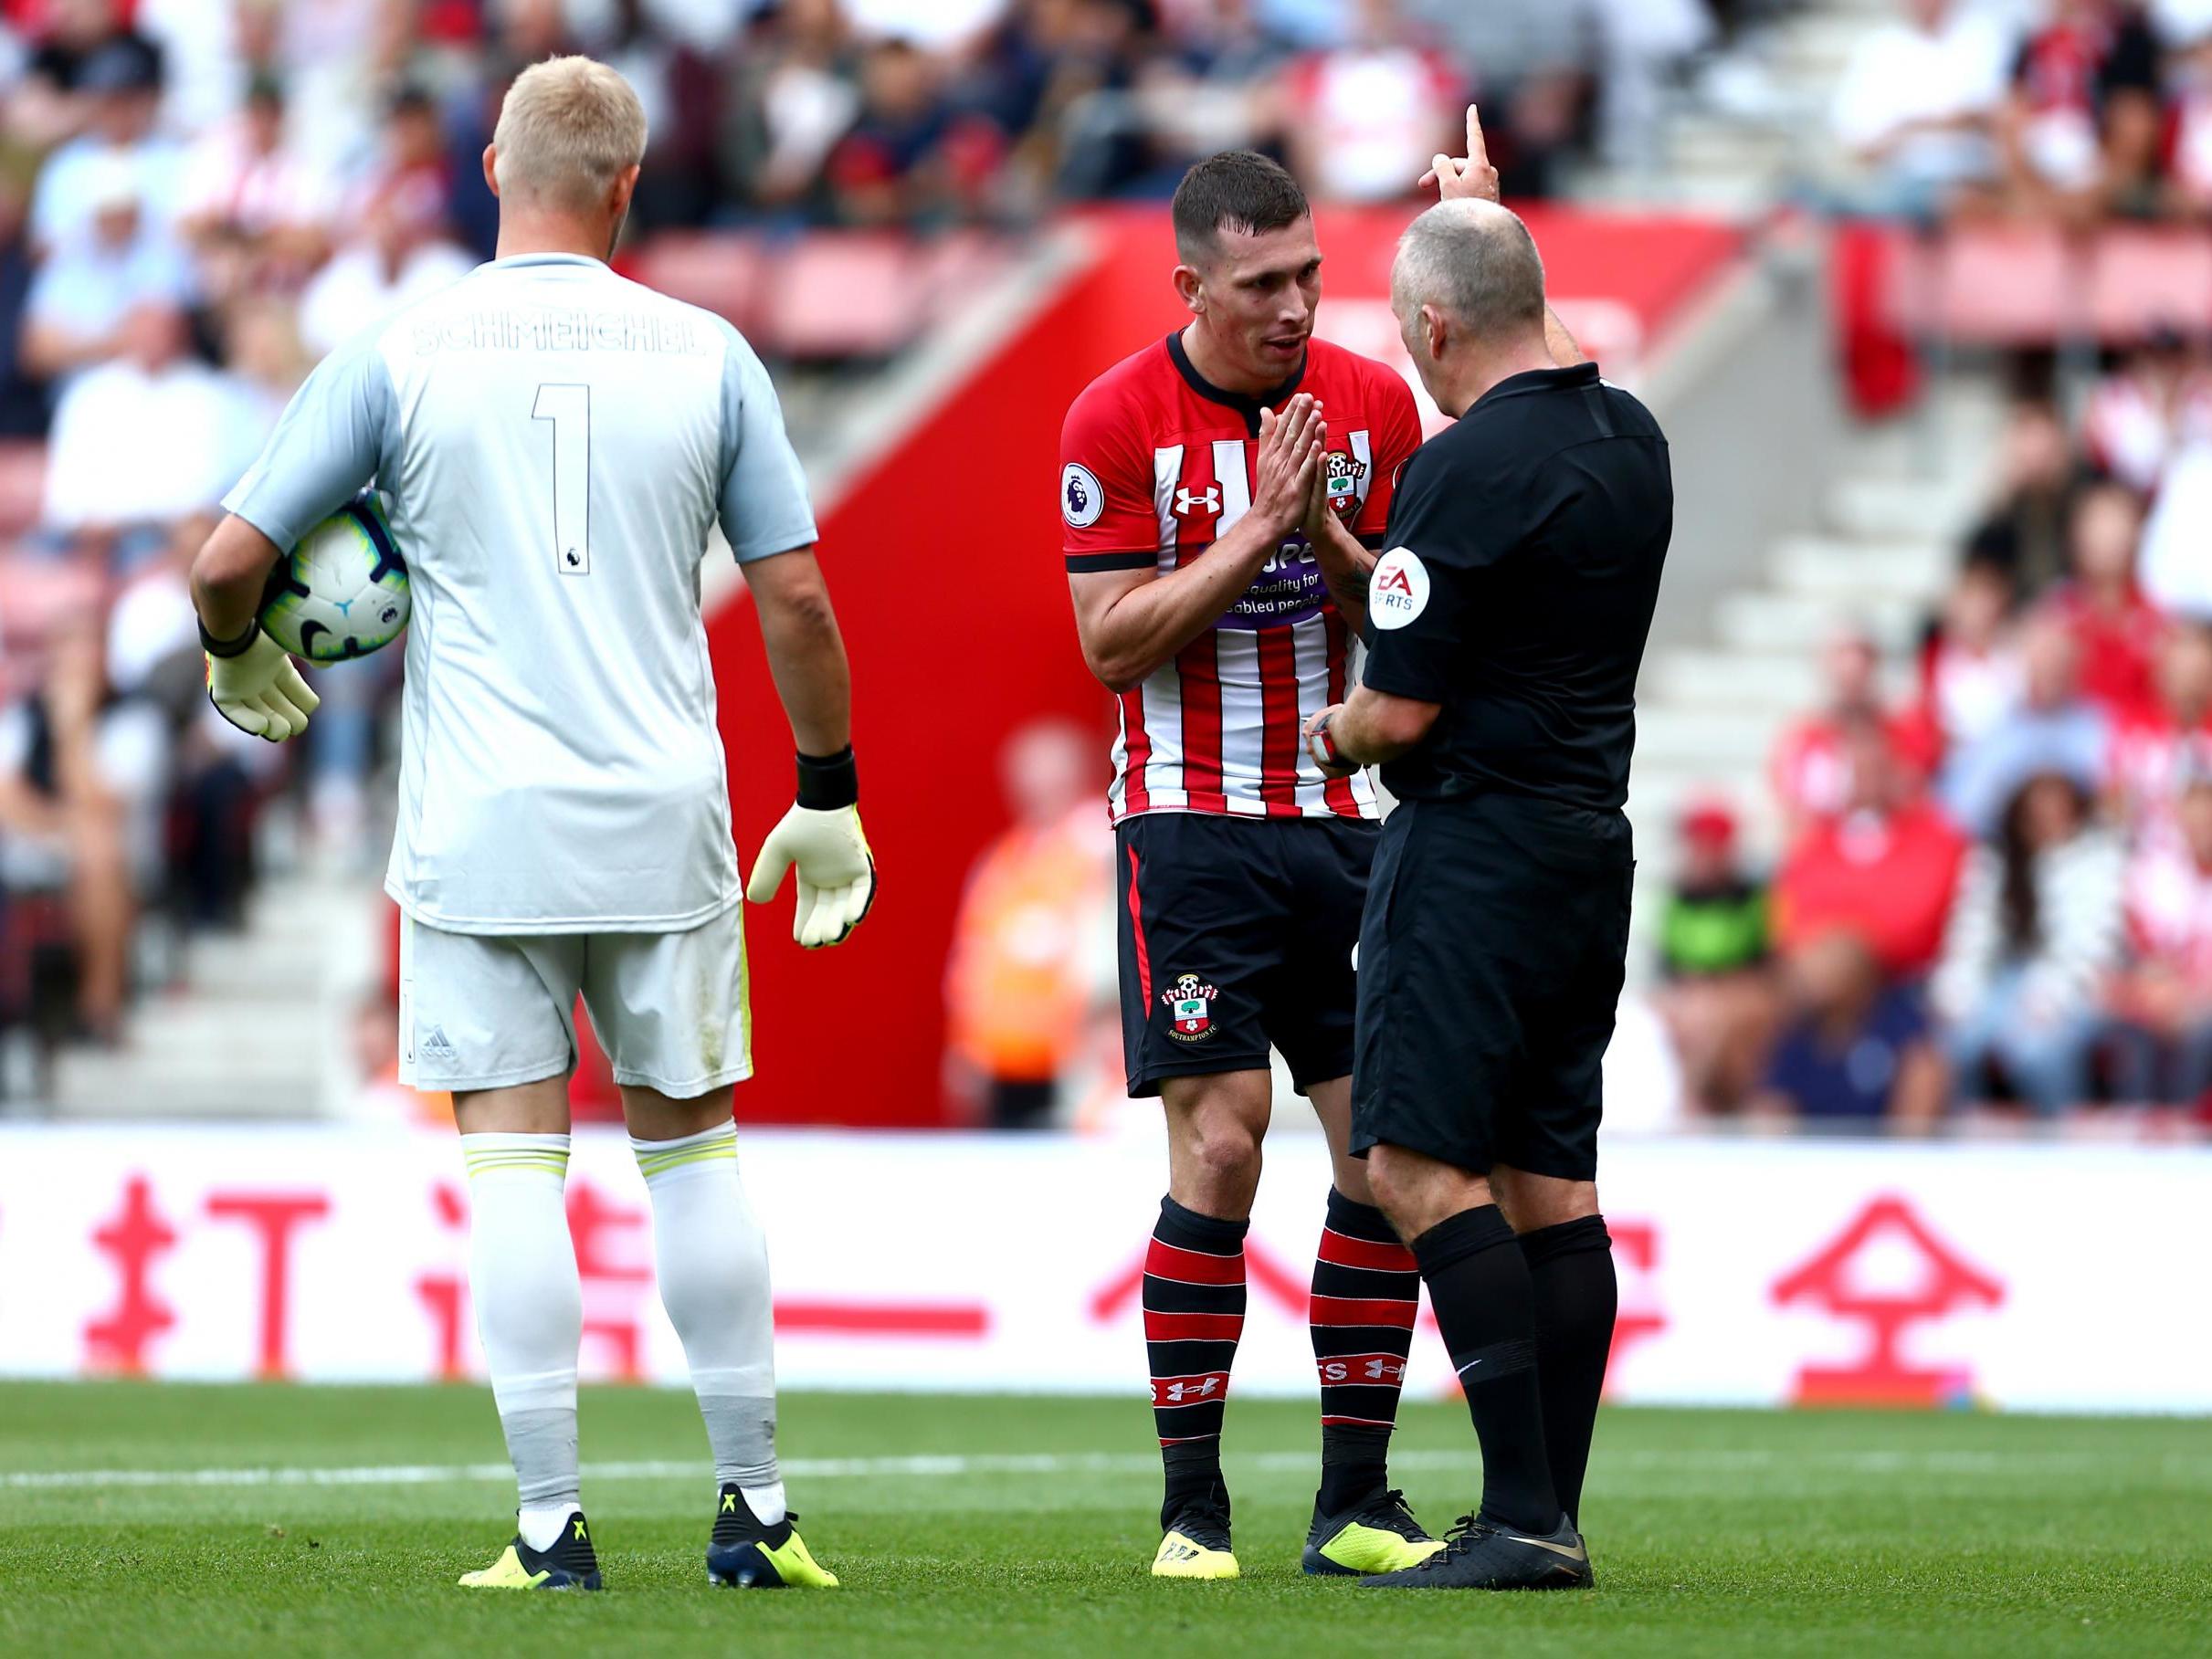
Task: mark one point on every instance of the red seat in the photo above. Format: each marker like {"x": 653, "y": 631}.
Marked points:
{"x": 2142, "y": 279}
{"x": 721, "y": 271}
{"x": 2009, "y": 284}
{"x": 839, "y": 294}
{"x": 956, "y": 268}
{"x": 37, "y": 594}
{"x": 22, "y": 485}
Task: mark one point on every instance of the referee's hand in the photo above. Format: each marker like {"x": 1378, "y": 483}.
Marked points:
{"x": 1322, "y": 747}
{"x": 1469, "y": 178}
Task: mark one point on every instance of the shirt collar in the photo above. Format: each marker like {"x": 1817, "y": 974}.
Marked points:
{"x": 1247, "y": 405}
{"x": 1540, "y": 380}
{"x": 520, "y": 261}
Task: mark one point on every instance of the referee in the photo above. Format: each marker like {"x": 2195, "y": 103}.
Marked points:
{"x": 1507, "y": 621}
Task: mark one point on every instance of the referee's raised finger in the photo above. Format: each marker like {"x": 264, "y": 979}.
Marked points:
{"x": 1476, "y": 156}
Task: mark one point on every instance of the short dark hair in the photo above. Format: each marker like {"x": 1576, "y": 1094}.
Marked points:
{"x": 1237, "y": 190}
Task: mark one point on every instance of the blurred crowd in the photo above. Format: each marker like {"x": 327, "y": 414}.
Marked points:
{"x": 2071, "y": 111}
{"x": 198, "y": 198}
{"x": 1998, "y": 881}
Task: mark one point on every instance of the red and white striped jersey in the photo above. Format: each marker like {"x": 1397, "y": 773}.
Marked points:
{"x": 1155, "y": 464}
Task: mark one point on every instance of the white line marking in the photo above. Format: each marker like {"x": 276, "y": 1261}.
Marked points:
{"x": 947, "y": 1466}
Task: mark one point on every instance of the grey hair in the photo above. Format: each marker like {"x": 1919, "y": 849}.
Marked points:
{"x": 568, "y": 129}
{"x": 1474, "y": 261}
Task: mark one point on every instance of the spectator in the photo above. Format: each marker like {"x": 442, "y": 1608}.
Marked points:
{"x": 1918, "y": 105}
{"x": 22, "y": 399}
{"x": 2188, "y": 126}
{"x": 2082, "y": 128}
{"x": 399, "y": 258}
{"x": 1970, "y": 672}
{"x": 70, "y": 775}
{"x": 1883, "y": 867}
{"x": 1809, "y": 770}
{"x": 1857, "y": 1046}
{"x": 2037, "y": 928}
{"x": 117, "y": 264}
{"x": 2175, "y": 574}
{"x": 2162, "y": 1001}
{"x": 148, "y": 438}
{"x": 52, "y": 103}
{"x": 892, "y": 167}
{"x": 2116, "y": 628}
{"x": 121, "y": 81}
{"x": 1717, "y": 1001}
{"x": 2024, "y": 532}
{"x": 1365, "y": 115}
{"x": 257, "y": 212}
{"x": 794, "y": 98}
{"x": 2052, "y": 728}
{"x": 1024, "y": 971}
{"x": 2157, "y": 747}
{"x": 2143, "y": 413}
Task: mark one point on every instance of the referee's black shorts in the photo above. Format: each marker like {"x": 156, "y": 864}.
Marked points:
{"x": 1491, "y": 964}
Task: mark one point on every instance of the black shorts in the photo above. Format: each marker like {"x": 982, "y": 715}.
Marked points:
{"x": 1490, "y": 966}
{"x": 1238, "y": 933}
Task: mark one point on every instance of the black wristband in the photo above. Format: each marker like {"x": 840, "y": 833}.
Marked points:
{"x": 828, "y": 782}
{"x": 230, "y": 647}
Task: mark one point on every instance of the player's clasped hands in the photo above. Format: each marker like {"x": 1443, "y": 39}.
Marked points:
{"x": 1291, "y": 448}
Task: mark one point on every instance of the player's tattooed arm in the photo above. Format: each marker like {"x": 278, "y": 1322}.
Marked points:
{"x": 1345, "y": 565}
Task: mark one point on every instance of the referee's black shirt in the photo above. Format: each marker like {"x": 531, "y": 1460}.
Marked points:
{"x": 1525, "y": 545}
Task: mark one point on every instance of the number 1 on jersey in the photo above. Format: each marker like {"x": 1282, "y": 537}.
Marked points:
{"x": 569, "y": 410}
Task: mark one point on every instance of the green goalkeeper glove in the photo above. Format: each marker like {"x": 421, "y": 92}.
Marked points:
{"x": 255, "y": 686}
{"x": 821, "y": 838}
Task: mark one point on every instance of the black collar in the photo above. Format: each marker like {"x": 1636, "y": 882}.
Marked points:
{"x": 1540, "y": 380}
{"x": 1249, "y": 407}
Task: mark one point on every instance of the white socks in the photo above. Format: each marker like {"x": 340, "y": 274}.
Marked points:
{"x": 529, "y": 1314}
{"x": 713, "y": 1265}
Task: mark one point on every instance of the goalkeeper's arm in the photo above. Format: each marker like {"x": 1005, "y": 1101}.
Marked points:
{"x": 820, "y": 837}
{"x": 250, "y": 680}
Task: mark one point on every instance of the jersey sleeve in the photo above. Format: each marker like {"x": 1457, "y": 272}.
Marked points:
{"x": 331, "y": 441}
{"x": 1106, "y": 500}
{"x": 762, "y": 502}
{"x": 1421, "y": 590}
{"x": 1398, "y": 433}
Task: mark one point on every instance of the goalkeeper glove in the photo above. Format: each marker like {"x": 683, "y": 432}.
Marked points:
{"x": 255, "y": 686}
{"x": 821, "y": 838}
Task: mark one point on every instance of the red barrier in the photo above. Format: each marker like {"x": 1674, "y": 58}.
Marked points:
{"x": 945, "y": 560}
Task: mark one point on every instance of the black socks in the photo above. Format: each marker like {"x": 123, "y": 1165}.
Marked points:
{"x": 1480, "y": 1285}
{"x": 1571, "y": 1267}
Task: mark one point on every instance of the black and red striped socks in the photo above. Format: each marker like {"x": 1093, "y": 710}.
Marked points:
{"x": 1194, "y": 1313}
{"x": 1366, "y": 1292}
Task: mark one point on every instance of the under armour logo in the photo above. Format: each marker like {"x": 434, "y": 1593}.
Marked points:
{"x": 1188, "y": 502}
{"x": 1200, "y": 1390}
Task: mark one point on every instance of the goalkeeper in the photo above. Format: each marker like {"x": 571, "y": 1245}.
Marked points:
{"x": 555, "y": 444}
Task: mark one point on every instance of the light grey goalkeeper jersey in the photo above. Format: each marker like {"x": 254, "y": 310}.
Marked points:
{"x": 554, "y": 444}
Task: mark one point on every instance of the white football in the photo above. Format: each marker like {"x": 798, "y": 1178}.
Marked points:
{"x": 343, "y": 592}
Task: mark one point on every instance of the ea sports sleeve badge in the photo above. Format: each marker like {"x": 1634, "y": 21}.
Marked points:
{"x": 1398, "y": 591}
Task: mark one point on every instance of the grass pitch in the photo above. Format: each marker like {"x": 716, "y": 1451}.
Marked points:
{"x": 290, "y": 1521}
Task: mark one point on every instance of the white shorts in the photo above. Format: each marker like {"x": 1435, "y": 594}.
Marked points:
{"x": 479, "y": 1010}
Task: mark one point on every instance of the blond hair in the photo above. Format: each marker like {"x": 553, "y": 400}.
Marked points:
{"x": 569, "y": 127}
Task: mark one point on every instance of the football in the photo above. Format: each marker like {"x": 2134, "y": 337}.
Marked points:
{"x": 343, "y": 592}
